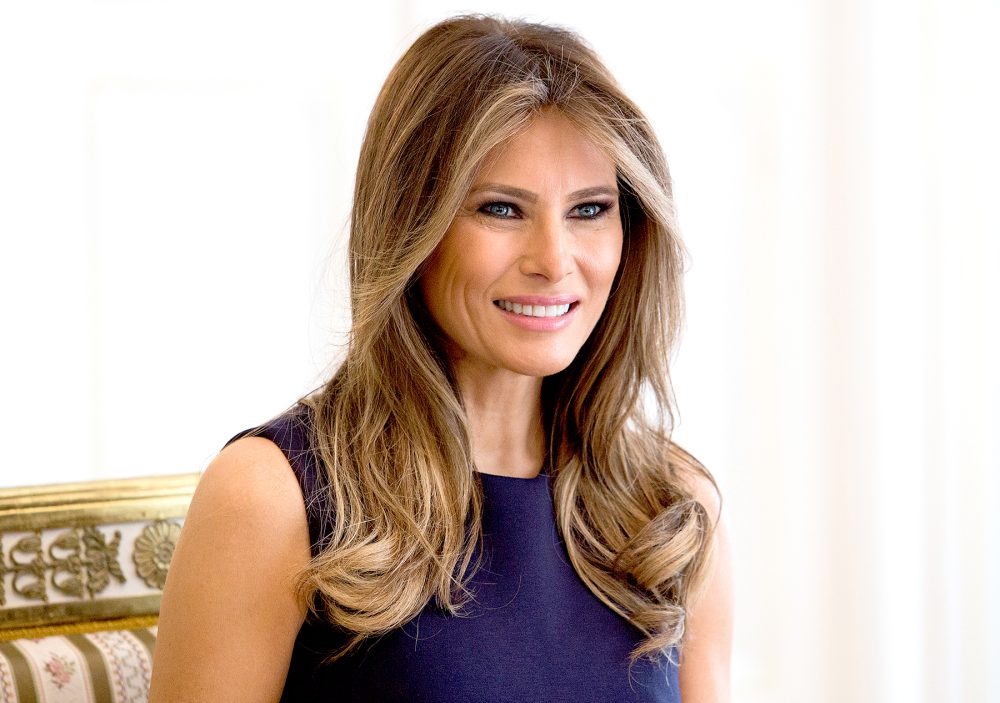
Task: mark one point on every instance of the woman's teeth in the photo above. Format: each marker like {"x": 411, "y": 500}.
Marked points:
{"x": 533, "y": 310}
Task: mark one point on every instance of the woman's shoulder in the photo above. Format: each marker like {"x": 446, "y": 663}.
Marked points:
{"x": 253, "y": 479}
{"x": 263, "y": 467}
{"x": 231, "y": 596}
{"x": 291, "y": 433}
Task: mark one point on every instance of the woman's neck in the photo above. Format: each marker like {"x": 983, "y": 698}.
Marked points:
{"x": 504, "y": 413}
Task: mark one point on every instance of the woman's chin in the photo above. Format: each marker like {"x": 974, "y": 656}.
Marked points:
{"x": 541, "y": 367}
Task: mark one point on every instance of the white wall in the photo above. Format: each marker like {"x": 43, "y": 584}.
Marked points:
{"x": 176, "y": 184}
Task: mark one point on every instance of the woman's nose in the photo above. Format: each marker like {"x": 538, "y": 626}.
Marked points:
{"x": 548, "y": 250}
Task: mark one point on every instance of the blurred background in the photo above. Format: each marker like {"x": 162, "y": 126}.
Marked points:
{"x": 174, "y": 193}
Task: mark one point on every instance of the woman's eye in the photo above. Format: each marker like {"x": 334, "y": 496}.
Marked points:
{"x": 589, "y": 211}
{"x": 498, "y": 209}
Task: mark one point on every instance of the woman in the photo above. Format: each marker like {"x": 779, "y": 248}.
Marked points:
{"x": 483, "y": 503}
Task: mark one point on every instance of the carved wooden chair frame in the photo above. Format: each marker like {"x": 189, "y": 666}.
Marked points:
{"x": 84, "y": 557}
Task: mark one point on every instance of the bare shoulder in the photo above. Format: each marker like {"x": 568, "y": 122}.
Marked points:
{"x": 230, "y": 614}
{"x": 252, "y": 478}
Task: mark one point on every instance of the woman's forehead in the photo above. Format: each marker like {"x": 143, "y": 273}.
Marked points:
{"x": 551, "y": 146}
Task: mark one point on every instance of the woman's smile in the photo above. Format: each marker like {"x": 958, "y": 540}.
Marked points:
{"x": 538, "y": 317}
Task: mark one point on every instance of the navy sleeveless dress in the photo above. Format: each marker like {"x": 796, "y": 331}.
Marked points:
{"x": 534, "y": 633}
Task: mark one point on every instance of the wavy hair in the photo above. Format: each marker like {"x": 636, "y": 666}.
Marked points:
{"x": 389, "y": 426}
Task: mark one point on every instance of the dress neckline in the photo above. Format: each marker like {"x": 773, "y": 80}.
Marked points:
{"x": 503, "y": 477}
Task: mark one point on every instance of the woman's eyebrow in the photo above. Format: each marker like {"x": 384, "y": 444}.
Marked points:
{"x": 528, "y": 196}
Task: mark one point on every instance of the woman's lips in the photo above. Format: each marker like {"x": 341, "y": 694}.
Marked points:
{"x": 562, "y": 299}
{"x": 540, "y": 317}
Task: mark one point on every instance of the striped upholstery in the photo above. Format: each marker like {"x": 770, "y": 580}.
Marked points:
{"x": 99, "y": 667}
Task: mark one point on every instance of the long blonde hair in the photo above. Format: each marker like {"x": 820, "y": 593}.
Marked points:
{"x": 390, "y": 428}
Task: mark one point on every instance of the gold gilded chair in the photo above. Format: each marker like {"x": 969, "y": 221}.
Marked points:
{"x": 82, "y": 568}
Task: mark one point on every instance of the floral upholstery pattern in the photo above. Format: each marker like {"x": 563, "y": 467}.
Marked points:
{"x": 99, "y": 667}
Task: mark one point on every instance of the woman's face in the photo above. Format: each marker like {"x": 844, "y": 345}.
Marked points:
{"x": 523, "y": 273}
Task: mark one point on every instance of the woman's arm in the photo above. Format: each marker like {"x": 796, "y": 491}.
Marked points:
{"x": 229, "y": 615}
{"x": 704, "y": 665}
